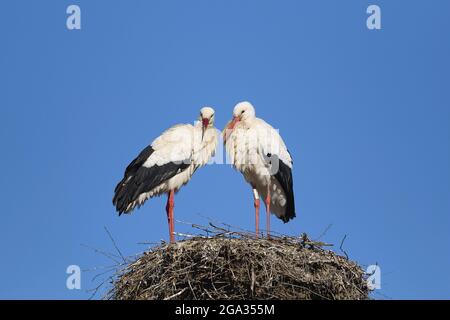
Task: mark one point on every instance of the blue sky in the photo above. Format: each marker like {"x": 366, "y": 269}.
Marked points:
{"x": 365, "y": 114}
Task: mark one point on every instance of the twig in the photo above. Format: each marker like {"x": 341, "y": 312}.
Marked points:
{"x": 340, "y": 247}
{"x": 176, "y": 294}
{"x": 186, "y": 235}
{"x": 324, "y": 232}
{"x": 115, "y": 245}
{"x": 106, "y": 254}
{"x": 192, "y": 290}
{"x": 305, "y": 241}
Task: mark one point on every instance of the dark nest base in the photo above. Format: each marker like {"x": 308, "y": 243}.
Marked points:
{"x": 236, "y": 266}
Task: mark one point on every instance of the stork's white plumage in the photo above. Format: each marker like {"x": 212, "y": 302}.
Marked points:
{"x": 167, "y": 164}
{"x": 257, "y": 150}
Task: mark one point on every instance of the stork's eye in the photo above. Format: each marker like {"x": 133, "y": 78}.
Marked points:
{"x": 242, "y": 111}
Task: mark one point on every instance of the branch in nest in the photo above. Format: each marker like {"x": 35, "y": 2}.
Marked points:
{"x": 340, "y": 247}
{"x": 305, "y": 241}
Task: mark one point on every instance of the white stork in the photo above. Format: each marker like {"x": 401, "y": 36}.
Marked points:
{"x": 257, "y": 150}
{"x": 167, "y": 164}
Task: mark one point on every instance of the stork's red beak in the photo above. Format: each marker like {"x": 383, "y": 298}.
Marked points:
{"x": 230, "y": 127}
{"x": 205, "y": 124}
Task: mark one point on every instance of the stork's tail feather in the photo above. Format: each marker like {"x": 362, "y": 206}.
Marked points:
{"x": 284, "y": 177}
{"x": 118, "y": 199}
{"x": 123, "y": 197}
{"x": 132, "y": 190}
{"x": 124, "y": 193}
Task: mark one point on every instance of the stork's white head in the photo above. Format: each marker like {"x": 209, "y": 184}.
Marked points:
{"x": 244, "y": 111}
{"x": 207, "y": 117}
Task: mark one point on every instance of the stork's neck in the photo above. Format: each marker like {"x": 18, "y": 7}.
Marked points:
{"x": 209, "y": 133}
{"x": 248, "y": 121}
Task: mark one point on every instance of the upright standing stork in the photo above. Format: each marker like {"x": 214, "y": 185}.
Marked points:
{"x": 257, "y": 150}
{"x": 167, "y": 164}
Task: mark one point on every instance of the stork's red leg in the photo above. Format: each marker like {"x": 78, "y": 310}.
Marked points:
{"x": 257, "y": 217}
{"x": 172, "y": 220}
{"x": 169, "y": 208}
{"x": 256, "y": 203}
{"x": 267, "y": 200}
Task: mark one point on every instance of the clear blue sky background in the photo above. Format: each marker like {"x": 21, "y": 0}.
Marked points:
{"x": 366, "y": 116}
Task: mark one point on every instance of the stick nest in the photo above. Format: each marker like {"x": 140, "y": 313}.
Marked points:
{"x": 232, "y": 265}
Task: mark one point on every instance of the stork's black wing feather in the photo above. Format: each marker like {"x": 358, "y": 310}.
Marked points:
{"x": 284, "y": 178}
{"x": 139, "y": 179}
{"x": 136, "y": 164}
